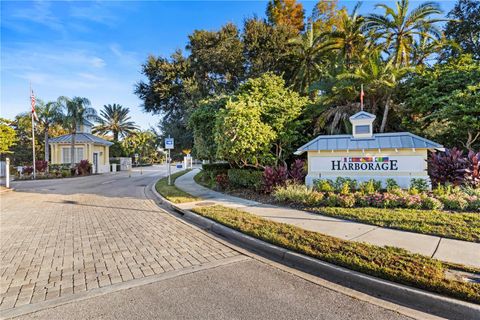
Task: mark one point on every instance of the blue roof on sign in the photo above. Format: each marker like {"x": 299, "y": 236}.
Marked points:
{"x": 391, "y": 140}
{"x": 82, "y": 137}
{"x": 362, "y": 115}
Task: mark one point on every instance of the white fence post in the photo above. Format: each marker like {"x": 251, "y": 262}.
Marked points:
{"x": 7, "y": 172}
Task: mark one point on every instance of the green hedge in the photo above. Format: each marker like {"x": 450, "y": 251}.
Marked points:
{"x": 245, "y": 178}
{"x": 216, "y": 167}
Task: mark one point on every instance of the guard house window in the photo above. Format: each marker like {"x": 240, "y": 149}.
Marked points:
{"x": 78, "y": 154}
{"x": 362, "y": 129}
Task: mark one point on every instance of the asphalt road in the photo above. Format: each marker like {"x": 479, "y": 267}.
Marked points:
{"x": 238, "y": 287}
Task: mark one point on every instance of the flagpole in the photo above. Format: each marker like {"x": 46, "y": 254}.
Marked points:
{"x": 33, "y": 136}
{"x": 361, "y": 97}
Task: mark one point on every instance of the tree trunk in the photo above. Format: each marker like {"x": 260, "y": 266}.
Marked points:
{"x": 385, "y": 115}
{"x": 115, "y": 136}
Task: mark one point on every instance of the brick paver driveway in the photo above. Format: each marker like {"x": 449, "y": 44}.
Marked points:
{"x": 69, "y": 236}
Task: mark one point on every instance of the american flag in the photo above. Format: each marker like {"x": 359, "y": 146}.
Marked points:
{"x": 32, "y": 100}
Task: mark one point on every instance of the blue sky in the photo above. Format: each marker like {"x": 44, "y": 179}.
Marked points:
{"x": 95, "y": 49}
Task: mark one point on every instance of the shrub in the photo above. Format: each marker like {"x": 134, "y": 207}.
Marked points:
{"x": 274, "y": 177}
{"x": 41, "y": 165}
{"x": 65, "y": 173}
{"x": 297, "y": 171}
{"x": 323, "y": 185}
{"x": 393, "y": 200}
{"x": 447, "y": 167}
{"x": 431, "y": 203}
{"x": 341, "y": 184}
{"x": 27, "y": 170}
{"x": 391, "y": 184}
{"x": 223, "y": 166}
{"x": 419, "y": 184}
{"x": 331, "y": 200}
{"x": 370, "y": 186}
{"x": 245, "y": 178}
{"x": 346, "y": 200}
{"x": 84, "y": 167}
{"x": 454, "y": 202}
{"x": 222, "y": 181}
{"x": 413, "y": 202}
{"x": 298, "y": 193}
{"x": 472, "y": 171}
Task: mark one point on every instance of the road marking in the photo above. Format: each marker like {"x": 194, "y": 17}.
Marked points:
{"x": 109, "y": 181}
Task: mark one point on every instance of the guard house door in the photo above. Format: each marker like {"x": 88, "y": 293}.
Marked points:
{"x": 95, "y": 162}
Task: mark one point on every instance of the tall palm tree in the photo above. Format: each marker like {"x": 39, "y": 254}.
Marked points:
{"x": 399, "y": 28}
{"x": 49, "y": 114}
{"x": 349, "y": 38}
{"x": 77, "y": 111}
{"x": 309, "y": 54}
{"x": 115, "y": 119}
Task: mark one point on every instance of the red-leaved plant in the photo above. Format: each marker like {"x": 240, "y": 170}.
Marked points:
{"x": 447, "y": 167}
{"x": 84, "y": 167}
{"x": 273, "y": 177}
{"x": 41, "y": 165}
{"x": 222, "y": 181}
{"x": 297, "y": 171}
{"x": 472, "y": 172}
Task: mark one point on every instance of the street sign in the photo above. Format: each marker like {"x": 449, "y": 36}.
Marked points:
{"x": 168, "y": 143}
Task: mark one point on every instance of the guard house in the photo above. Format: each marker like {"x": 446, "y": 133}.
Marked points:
{"x": 364, "y": 155}
{"x": 87, "y": 147}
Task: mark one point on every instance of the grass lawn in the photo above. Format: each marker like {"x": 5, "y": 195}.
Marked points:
{"x": 389, "y": 263}
{"x": 172, "y": 193}
{"x": 455, "y": 225}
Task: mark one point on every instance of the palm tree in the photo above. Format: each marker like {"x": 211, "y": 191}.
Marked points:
{"x": 78, "y": 110}
{"x": 398, "y": 28}
{"x": 115, "y": 119}
{"x": 380, "y": 79}
{"x": 49, "y": 114}
{"x": 348, "y": 38}
{"x": 309, "y": 53}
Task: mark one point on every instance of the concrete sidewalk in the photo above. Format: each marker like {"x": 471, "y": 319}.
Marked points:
{"x": 456, "y": 251}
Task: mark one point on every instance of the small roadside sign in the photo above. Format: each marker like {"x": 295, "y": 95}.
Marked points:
{"x": 169, "y": 143}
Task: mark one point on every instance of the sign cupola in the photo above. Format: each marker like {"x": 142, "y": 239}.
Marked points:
{"x": 362, "y": 125}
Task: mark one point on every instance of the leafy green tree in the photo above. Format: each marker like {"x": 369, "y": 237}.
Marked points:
{"x": 8, "y": 136}
{"x": 286, "y": 12}
{"x": 464, "y": 28}
{"x": 170, "y": 91}
{"x": 326, "y": 17}
{"x": 259, "y": 125}
{"x": 216, "y": 59}
{"x": 267, "y": 48}
{"x": 143, "y": 143}
{"x": 115, "y": 119}
{"x": 399, "y": 26}
{"x": 443, "y": 102}
{"x": 49, "y": 114}
{"x": 202, "y": 122}
{"x": 78, "y": 111}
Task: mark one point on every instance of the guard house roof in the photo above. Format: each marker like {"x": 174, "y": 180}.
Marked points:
{"x": 392, "y": 140}
{"x": 82, "y": 137}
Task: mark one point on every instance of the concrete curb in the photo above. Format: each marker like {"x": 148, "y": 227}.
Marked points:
{"x": 404, "y": 295}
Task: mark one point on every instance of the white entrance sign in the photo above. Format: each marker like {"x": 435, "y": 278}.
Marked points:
{"x": 371, "y": 164}
{"x": 169, "y": 143}
{"x": 362, "y": 156}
